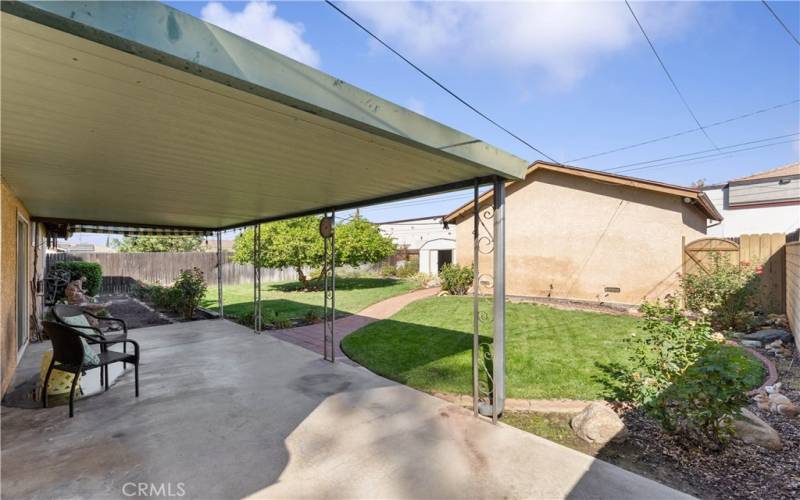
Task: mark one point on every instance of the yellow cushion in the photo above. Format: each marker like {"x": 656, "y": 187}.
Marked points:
{"x": 60, "y": 382}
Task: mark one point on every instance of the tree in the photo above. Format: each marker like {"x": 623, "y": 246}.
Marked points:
{"x": 159, "y": 244}
{"x": 296, "y": 243}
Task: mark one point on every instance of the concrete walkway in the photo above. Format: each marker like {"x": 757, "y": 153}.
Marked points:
{"x": 311, "y": 337}
{"x": 227, "y": 414}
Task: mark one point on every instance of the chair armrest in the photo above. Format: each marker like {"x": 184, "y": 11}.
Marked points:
{"x": 91, "y": 338}
{"x": 104, "y": 342}
{"x": 108, "y": 318}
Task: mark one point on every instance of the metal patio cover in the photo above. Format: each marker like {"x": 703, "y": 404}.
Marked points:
{"x": 136, "y": 113}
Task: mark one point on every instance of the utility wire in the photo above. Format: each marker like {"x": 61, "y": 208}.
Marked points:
{"x": 719, "y": 149}
{"x": 713, "y": 155}
{"x": 780, "y": 21}
{"x": 669, "y": 76}
{"x": 440, "y": 85}
{"x": 678, "y": 134}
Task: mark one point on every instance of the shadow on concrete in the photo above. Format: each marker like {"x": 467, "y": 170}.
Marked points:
{"x": 224, "y": 413}
{"x": 216, "y": 405}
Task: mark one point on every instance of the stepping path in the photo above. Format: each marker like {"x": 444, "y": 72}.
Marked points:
{"x": 310, "y": 336}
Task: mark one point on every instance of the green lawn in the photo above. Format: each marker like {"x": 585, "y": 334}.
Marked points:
{"x": 285, "y": 298}
{"x": 550, "y": 353}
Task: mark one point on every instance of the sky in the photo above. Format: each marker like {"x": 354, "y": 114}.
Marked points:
{"x": 572, "y": 79}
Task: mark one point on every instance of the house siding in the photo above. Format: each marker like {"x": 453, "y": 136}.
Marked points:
{"x": 570, "y": 237}
{"x": 752, "y": 219}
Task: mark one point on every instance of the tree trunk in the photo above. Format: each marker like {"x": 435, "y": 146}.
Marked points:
{"x": 302, "y": 277}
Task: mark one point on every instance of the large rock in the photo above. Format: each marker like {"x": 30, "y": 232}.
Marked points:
{"x": 752, "y": 430}
{"x": 598, "y": 424}
{"x": 769, "y": 335}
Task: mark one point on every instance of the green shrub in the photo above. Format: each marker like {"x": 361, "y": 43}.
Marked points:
{"x": 388, "y": 270}
{"x": 456, "y": 279}
{"x": 703, "y": 403}
{"x": 77, "y": 269}
{"x": 725, "y": 293}
{"x": 409, "y": 269}
{"x": 669, "y": 342}
{"x": 420, "y": 279}
{"x": 311, "y": 317}
{"x": 187, "y": 291}
{"x": 183, "y": 297}
{"x": 680, "y": 376}
{"x": 281, "y": 321}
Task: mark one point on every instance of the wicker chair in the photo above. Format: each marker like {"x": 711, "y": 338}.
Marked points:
{"x": 62, "y": 314}
{"x": 68, "y": 356}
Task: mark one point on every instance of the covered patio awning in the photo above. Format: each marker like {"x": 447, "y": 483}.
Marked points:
{"x": 138, "y": 114}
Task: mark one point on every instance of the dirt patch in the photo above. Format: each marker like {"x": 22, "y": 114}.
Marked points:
{"x": 739, "y": 471}
{"x": 134, "y": 313}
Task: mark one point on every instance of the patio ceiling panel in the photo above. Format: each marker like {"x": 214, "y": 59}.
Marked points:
{"x": 107, "y": 119}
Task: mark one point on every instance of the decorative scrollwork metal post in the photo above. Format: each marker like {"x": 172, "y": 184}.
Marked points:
{"x": 220, "y": 305}
{"x": 488, "y": 376}
{"x": 257, "y": 278}
{"x": 328, "y": 232}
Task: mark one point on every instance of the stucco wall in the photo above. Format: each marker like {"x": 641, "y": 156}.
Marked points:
{"x": 571, "y": 237}
{"x": 10, "y": 206}
{"x": 793, "y": 288}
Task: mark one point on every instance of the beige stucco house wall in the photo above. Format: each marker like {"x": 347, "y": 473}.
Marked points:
{"x": 12, "y": 210}
{"x": 574, "y": 237}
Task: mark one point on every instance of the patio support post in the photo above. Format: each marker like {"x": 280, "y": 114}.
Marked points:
{"x": 257, "y": 278}
{"x": 220, "y": 307}
{"x": 333, "y": 285}
{"x": 499, "y": 302}
{"x": 329, "y": 294}
{"x": 475, "y": 301}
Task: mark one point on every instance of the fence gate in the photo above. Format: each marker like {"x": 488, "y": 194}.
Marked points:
{"x": 766, "y": 250}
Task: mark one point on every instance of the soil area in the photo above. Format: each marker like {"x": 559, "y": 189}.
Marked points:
{"x": 133, "y": 312}
{"x": 738, "y": 471}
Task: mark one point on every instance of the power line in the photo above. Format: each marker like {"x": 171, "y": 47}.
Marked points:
{"x": 669, "y": 76}
{"x": 713, "y": 155}
{"x": 689, "y": 131}
{"x": 719, "y": 149}
{"x": 440, "y": 85}
{"x": 780, "y": 21}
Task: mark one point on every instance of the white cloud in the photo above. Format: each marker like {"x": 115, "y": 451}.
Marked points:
{"x": 415, "y": 105}
{"x": 257, "y": 22}
{"x": 563, "y": 40}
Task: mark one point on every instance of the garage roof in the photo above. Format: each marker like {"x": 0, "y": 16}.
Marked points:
{"x": 696, "y": 196}
{"x": 135, "y": 113}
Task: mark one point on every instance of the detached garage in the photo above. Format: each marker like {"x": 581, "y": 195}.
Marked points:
{"x": 579, "y": 234}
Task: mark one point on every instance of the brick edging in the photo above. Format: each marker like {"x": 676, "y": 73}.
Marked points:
{"x": 772, "y": 371}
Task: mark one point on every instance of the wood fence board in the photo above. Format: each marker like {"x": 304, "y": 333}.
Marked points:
{"x": 766, "y": 250}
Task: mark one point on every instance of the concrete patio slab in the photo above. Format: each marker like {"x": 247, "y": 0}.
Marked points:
{"x": 227, "y": 414}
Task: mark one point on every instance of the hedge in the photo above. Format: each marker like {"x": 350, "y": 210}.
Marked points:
{"x": 92, "y": 271}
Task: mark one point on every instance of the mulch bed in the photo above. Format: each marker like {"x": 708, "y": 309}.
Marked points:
{"x": 738, "y": 471}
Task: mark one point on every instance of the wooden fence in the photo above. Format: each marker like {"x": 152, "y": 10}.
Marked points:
{"x": 767, "y": 250}
{"x": 793, "y": 288}
{"x": 122, "y": 270}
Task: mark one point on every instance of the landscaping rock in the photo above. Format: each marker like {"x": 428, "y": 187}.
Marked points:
{"x": 769, "y": 335}
{"x": 738, "y": 335}
{"x": 599, "y": 424}
{"x": 751, "y": 343}
{"x": 750, "y": 429}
